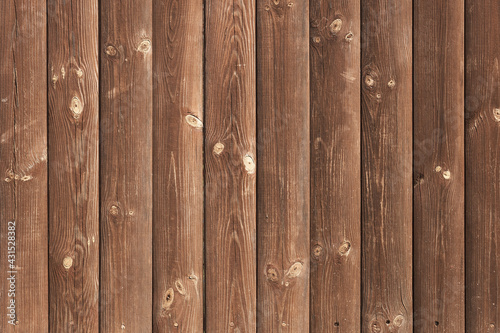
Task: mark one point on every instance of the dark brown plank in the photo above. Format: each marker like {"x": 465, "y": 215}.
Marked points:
{"x": 178, "y": 166}
{"x": 126, "y": 166}
{"x": 23, "y": 163}
{"x": 284, "y": 165}
{"x": 482, "y": 160}
{"x": 230, "y": 155}
{"x": 438, "y": 165}
{"x": 335, "y": 166}
{"x": 73, "y": 159}
{"x": 386, "y": 165}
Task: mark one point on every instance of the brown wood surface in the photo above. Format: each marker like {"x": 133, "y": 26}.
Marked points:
{"x": 73, "y": 96}
{"x": 386, "y": 45}
{"x": 23, "y": 164}
{"x": 177, "y": 166}
{"x": 335, "y": 166}
{"x": 482, "y": 161}
{"x": 438, "y": 166}
{"x": 230, "y": 153}
{"x": 126, "y": 166}
{"x": 283, "y": 165}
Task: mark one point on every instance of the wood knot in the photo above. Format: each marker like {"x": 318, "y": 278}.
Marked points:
{"x": 122, "y": 327}
{"x": 294, "y": 270}
{"x": 290, "y": 4}
{"x": 399, "y": 320}
{"x": 144, "y": 46}
{"x": 316, "y": 39}
{"x": 272, "y": 274}
{"x": 369, "y": 81}
{"x": 76, "y": 107}
{"x": 194, "y": 121}
{"x": 110, "y": 50}
{"x": 375, "y": 327}
{"x": 447, "y": 174}
{"x": 391, "y": 84}
{"x": 349, "y": 37}
{"x": 67, "y": 262}
{"x": 249, "y": 163}
{"x": 218, "y": 148}
{"x": 496, "y": 114}
{"x": 114, "y": 210}
{"x": 317, "y": 251}
{"x": 345, "y": 248}
{"x": 335, "y": 26}
{"x": 168, "y": 299}
{"x": 180, "y": 287}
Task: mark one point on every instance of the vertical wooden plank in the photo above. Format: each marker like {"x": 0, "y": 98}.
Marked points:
{"x": 178, "y": 166}
{"x": 482, "y": 159}
{"x": 386, "y": 165}
{"x": 438, "y": 163}
{"x": 73, "y": 159}
{"x": 126, "y": 166}
{"x": 335, "y": 166}
{"x": 230, "y": 155}
{"x": 283, "y": 172}
{"x": 23, "y": 163}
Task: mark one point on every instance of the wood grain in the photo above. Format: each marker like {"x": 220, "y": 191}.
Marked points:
{"x": 335, "y": 166}
{"x": 438, "y": 164}
{"x": 126, "y": 166}
{"x": 482, "y": 160}
{"x": 284, "y": 165}
{"x": 23, "y": 163}
{"x": 386, "y": 165}
{"x": 230, "y": 160}
{"x": 73, "y": 96}
{"x": 178, "y": 166}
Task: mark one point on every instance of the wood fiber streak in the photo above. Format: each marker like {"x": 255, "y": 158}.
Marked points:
{"x": 482, "y": 160}
{"x": 126, "y": 166}
{"x": 284, "y": 165}
{"x": 335, "y": 166}
{"x": 438, "y": 164}
{"x": 230, "y": 155}
{"x": 386, "y": 45}
{"x": 178, "y": 166}
{"x": 73, "y": 96}
{"x": 23, "y": 163}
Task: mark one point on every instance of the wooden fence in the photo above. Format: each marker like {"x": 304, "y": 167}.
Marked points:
{"x": 249, "y": 165}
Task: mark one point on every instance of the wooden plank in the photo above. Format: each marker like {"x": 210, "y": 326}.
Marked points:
{"x": 23, "y": 163}
{"x": 335, "y": 166}
{"x": 73, "y": 159}
{"x": 284, "y": 165}
{"x": 178, "y": 166}
{"x": 438, "y": 164}
{"x": 230, "y": 155}
{"x": 482, "y": 160}
{"x": 126, "y": 166}
{"x": 386, "y": 165}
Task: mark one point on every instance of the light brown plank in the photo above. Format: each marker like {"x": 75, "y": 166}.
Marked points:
{"x": 230, "y": 153}
{"x": 23, "y": 164}
{"x": 335, "y": 166}
{"x": 283, "y": 165}
{"x": 178, "y": 166}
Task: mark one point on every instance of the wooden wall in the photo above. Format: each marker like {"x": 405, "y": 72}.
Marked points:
{"x": 249, "y": 165}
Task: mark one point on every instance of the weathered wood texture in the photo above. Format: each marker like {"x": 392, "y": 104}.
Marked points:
{"x": 230, "y": 153}
{"x": 335, "y": 166}
{"x": 386, "y": 165}
{"x": 23, "y": 163}
{"x": 178, "y": 166}
{"x": 73, "y": 159}
{"x": 283, "y": 157}
{"x": 438, "y": 166}
{"x": 126, "y": 166}
{"x": 482, "y": 161}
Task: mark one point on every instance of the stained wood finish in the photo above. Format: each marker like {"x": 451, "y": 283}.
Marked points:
{"x": 283, "y": 171}
{"x": 482, "y": 159}
{"x": 335, "y": 169}
{"x": 230, "y": 153}
{"x": 178, "y": 166}
{"x": 126, "y": 166}
{"x": 386, "y": 165}
{"x": 438, "y": 164}
{"x": 23, "y": 163}
{"x": 73, "y": 159}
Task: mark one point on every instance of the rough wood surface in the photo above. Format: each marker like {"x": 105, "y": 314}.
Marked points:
{"x": 178, "y": 166}
{"x": 126, "y": 166}
{"x": 73, "y": 159}
{"x": 335, "y": 166}
{"x": 283, "y": 165}
{"x": 387, "y": 165}
{"x": 23, "y": 164}
{"x": 438, "y": 164}
{"x": 482, "y": 160}
{"x": 230, "y": 153}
